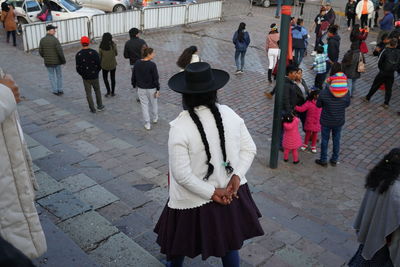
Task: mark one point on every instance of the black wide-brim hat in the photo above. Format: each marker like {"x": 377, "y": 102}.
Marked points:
{"x": 198, "y": 78}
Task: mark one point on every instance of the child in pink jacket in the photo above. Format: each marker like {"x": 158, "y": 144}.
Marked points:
{"x": 291, "y": 137}
{"x": 312, "y": 125}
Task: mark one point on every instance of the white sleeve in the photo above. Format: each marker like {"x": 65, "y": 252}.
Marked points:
{"x": 7, "y": 102}
{"x": 179, "y": 161}
{"x": 247, "y": 151}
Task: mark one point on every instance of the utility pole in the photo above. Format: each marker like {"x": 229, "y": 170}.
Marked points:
{"x": 286, "y": 12}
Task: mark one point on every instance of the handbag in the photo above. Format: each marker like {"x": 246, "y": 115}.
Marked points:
{"x": 363, "y": 47}
{"x": 43, "y": 16}
{"x": 361, "y": 65}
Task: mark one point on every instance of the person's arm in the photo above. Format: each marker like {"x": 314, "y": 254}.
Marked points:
{"x": 247, "y": 35}
{"x": 178, "y": 151}
{"x": 96, "y": 59}
{"x": 303, "y": 107}
{"x": 126, "y": 50}
{"x": 247, "y": 152}
{"x": 41, "y": 51}
{"x": 320, "y": 100}
{"x": 346, "y": 13}
{"x": 286, "y": 98}
{"x": 100, "y": 54}
{"x": 348, "y": 99}
{"x": 78, "y": 62}
{"x": 115, "y": 50}
{"x": 382, "y": 59}
{"x": 133, "y": 78}
{"x": 156, "y": 77}
{"x": 267, "y": 44}
{"x": 60, "y": 53}
{"x": 234, "y": 38}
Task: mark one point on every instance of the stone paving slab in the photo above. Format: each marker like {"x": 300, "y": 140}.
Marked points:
{"x": 148, "y": 172}
{"x": 96, "y": 196}
{"x": 61, "y": 250}
{"x": 115, "y": 211}
{"x": 41, "y": 102}
{"x": 63, "y": 204}
{"x": 30, "y": 141}
{"x": 47, "y": 185}
{"x": 77, "y": 182}
{"x": 45, "y": 138}
{"x": 39, "y": 152}
{"x": 88, "y": 229}
{"x": 85, "y": 148}
{"x": 134, "y": 225}
{"x": 120, "y": 250}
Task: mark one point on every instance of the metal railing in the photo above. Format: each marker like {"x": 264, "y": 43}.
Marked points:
{"x": 68, "y": 31}
{"x": 71, "y": 30}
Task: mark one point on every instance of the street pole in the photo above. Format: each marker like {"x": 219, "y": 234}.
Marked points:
{"x": 286, "y": 11}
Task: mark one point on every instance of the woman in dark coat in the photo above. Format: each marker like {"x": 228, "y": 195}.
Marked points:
{"x": 350, "y": 63}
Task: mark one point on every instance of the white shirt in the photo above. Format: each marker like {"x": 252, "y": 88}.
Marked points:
{"x": 187, "y": 156}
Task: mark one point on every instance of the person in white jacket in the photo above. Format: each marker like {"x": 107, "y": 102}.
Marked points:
{"x": 210, "y": 150}
{"x": 19, "y": 221}
{"x": 364, "y": 11}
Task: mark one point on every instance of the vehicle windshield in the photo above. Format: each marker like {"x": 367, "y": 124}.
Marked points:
{"x": 32, "y": 6}
{"x": 71, "y": 6}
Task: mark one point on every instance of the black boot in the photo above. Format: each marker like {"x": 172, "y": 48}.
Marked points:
{"x": 270, "y": 75}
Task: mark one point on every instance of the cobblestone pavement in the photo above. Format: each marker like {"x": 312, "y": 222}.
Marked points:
{"x": 103, "y": 177}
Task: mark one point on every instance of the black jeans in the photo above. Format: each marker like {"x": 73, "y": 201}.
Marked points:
{"x": 105, "y": 78}
{"x": 364, "y": 20}
{"x": 380, "y": 79}
{"x": 319, "y": 80}
{"x": 13, "y": 33}
{"x": 318, "y": 42}
{"x": 351, "y": 19}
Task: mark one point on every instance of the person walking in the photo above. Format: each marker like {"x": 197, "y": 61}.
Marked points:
{"x": 350, "y": 65}
{"x": 364, "y": 10}
{"x": 19, "y": 224}
{"x": 52, "y": 53}
{"x": 312, "y": 125}
{"x": 359, "y": 36}
{"x": 333, "y": 46}
{"x": 386, "y": 23}
{"x": 301, "y": 3}
{"x": 299, "y": 41}
{"x": 272, "y": 49}
{"x": 241, "y": 40}
{"x": 319, "y": 67}
{"x": 189, "y": 55}
{"x": 377, "y": 224}
{"x": 133, "y": 49}
{"x": 278, "y": 9}
{"x": 8, "y": 19}
{"x": 333, "y": 100}
{"x": 330, "y": 15}
{"x": 108, "y": 62}
{"x": 145, "y": 78}
{"x": 320, "y": 25}
{"x": 388, "y": 63}
{"x": 291, "y": 137}
{"x": 210, "y": 151}
{"x": 45, "y": 14}
{"x": 88, "y": 66}
{"x": 350, "y": 13}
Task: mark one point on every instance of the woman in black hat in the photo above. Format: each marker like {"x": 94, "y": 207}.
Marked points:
{"x": 210, "y": 210}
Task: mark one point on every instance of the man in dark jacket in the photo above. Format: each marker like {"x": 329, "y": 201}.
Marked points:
{"x": 133, "y": 49}
{"x": 330, "y": 15}
{"x": 88, "y": 66}
{"x": 333, "y": 105}
{"x": 388, "y": 63}
{"x": 50, "y": 50}
{"x": 333, "y": 46}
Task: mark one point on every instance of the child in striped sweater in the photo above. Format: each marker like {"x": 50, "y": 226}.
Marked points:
{"x": 338, "y": 80}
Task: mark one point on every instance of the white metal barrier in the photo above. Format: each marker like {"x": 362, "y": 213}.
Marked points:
{"x": 71, "y": 30}
{"x": 115, "y": 23}
{"x": 161, "y": 17}
{"x": 204, "y": 11}
{"x": 68, "y": 31}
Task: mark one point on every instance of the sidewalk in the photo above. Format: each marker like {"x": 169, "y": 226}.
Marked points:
{"x": 103, "y": 177}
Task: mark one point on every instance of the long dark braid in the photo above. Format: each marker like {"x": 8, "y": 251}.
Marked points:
{"x": 218, "y": 120}
{"x": 197, "y": 121}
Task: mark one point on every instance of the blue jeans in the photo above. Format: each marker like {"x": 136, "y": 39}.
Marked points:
{"x": 231, "y": 259}
{"x": 278, "y": 8}
{"x": 298, "y": 55}
{"x": 239, "y": 64}
{"x": 325, "y": 134}
{"x": 55, "y": 78}
{"x": 351, "y": 84}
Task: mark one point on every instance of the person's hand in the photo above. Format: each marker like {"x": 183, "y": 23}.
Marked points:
{"x": 233, "y": 185}
{"x": 10, "y": 83}
{"x": 222, "y": 196}
{"x": 157, "y": 94}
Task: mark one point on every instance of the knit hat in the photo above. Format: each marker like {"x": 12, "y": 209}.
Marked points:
{"x": 338, "y": 85}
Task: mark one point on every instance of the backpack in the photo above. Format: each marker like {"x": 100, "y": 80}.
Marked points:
{"x": 391, "y": 62}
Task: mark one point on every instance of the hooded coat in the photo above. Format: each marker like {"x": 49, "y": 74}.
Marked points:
{"x": 19, "y": 221}
{"x": 333, "y": 108}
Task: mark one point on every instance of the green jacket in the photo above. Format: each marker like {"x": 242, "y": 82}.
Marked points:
{"x": 107, "y": 58}
{"x": 51, "y": 51}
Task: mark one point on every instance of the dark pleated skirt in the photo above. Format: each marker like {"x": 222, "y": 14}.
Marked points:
{"x": 380, "y": 259}
{"x": 209, "y": 230}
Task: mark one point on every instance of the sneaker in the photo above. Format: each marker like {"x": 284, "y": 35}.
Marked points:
{"x": 365, "y": 99}
{"x": 57, "y": 94}
{"x": 112, "y": 94}
{"x": 241, "y": 71}
{"x": 314, "y": 150}
{"x": 303, "y": 147}
{"x": 385, "y": 106}
{"x": 277, "y": 17}
{"x": 373, "y": 43}
{"x": 107, "y": 95}
{"x": 60, "y": 92}
{"x": 237, "y": 72}
{"x": 155, "y": 121}
{"x": 101, "y": 108}
{"x": 333, "y": 163}
{"x": 285, "y": 160}
{"x": 268, "y": 95}
{"x": 147, "y": 126}
{"x": 313, "y": 53}
{"x": 93, "y": 111}
{"x": 321, "y": 163}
